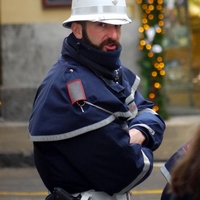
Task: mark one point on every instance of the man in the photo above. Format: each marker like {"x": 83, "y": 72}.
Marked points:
{"x": 93, "y": 132}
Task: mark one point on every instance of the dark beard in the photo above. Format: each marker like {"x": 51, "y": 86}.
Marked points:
{"x": 100, "y": 46}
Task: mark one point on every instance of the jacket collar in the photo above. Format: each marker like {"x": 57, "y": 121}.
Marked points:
{"x": 105, "y": 63}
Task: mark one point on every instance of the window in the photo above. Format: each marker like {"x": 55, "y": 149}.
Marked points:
{"x": 56, "y": 3}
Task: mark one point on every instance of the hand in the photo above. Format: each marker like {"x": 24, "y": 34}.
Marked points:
{"x": 136, "y": 136}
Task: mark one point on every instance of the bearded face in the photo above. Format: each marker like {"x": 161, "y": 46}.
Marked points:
{"x": 110, "y": 43}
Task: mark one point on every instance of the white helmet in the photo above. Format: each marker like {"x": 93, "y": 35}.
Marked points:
{"x": 106, "y": 11}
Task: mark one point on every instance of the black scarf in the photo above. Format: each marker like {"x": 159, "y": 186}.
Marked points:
{"x": 105, "y": 65}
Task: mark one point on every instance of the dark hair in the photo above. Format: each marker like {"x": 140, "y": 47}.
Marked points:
{"x": 82, "y": 23}
{"x": 185, "y": 178}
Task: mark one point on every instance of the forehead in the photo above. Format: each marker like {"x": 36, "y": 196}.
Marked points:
{"x": 97, "y": 23}
{"x": 90, "y": 24}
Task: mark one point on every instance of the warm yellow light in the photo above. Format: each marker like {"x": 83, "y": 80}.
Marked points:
{"x": 140, "y": 47}
{"x": 151, "y": 7}
{"x": 148, "y": 46}
{"x": 144, "y": 21}
{"x": 146, "y": 27}
{"x": 150, "y": 1}
{"x": 161, "y": 64}
{"x": 144, "y": 6}
{"x": 155, "y": 108}
{"x": 160, "y": 1}
{"x": 156, "y": 65}
{"x": 160, "y": 16}
{"x": 157, "y": 85}
{"x": 158, "y": 30}
{"x": 150, "y": 16}
{"x": 141, "y": 29}
{"x": 162, "y": 72}
{"x": 159, "y": 59}
{"x": 147, "y": 11}
{"x": 152, "y": 95}
{"x": 139, "y": 1}
{"x": 150, "y": 54}
{"x": 154, "y": 74}
{"x": 159, "y": 7}
{"x": 161, "y": 23}
{"x": 142, "y": 42}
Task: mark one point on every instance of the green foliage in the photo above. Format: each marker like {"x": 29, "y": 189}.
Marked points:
{"x": 151, "y": 61}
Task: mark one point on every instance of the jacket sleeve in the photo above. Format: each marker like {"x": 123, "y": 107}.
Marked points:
{"x": 148, "y": 122}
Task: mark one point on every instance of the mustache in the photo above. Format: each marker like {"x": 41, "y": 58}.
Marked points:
{"x": 110, "y": 41}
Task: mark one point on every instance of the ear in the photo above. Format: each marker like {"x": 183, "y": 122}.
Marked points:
{"x": 77, "y": 30}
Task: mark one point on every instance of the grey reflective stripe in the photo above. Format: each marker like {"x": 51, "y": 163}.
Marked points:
{"x": 151, "y": 131}
{"x": 133, "y": 109}
{"x": 145, "y": 111}
{"x": 85, "y": 129}
{"x": 166, "y": 173}
{"x": 135, "y": 84}
{"x": 123, "y": 114}
{"x": 130, "y": 99}
{"x": 82, "y": 130}
{"x": 74, "y": 133}
{"x": 148, "y": 110}
{"x": 140, "y": 176}
{"x": 99, "y": 10}
{"x": 134, "y": 87}
{"x": 116, "y": 114}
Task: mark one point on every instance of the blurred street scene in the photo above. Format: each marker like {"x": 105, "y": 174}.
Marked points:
{"x": 20, "y": 180}
{"x": 31, "y": 36}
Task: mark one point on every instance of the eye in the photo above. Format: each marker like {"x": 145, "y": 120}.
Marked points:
{"x": 118, "y": 26}
{"x": 102, "y": 24}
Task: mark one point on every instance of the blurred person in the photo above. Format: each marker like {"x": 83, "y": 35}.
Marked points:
{"x": 185, "y": 178}
{"x": 167, "y": 168}
{"x": 93, "y": 133}
{"x": 184, "y": 174}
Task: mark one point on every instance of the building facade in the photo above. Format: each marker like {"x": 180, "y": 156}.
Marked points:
{"x": 31, "y": 41}
{"x": 31, "y": 36}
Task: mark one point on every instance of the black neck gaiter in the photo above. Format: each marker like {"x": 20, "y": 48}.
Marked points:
{"x": 106, "y": 64}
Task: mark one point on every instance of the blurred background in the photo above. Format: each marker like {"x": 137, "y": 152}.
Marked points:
{"x": 31, "y": 37}
{"x": 161, "y": 45}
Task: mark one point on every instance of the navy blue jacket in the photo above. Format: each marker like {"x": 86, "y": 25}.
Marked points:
{"x": 80, "y": 121}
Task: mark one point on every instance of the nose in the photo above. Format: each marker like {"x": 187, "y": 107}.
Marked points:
{"x": 113, "y": 32}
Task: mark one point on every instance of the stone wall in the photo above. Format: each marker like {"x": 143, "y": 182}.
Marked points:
{"x": 29, "y": 51}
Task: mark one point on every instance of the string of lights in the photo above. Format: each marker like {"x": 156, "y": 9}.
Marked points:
{"x": 152, "y": 61}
